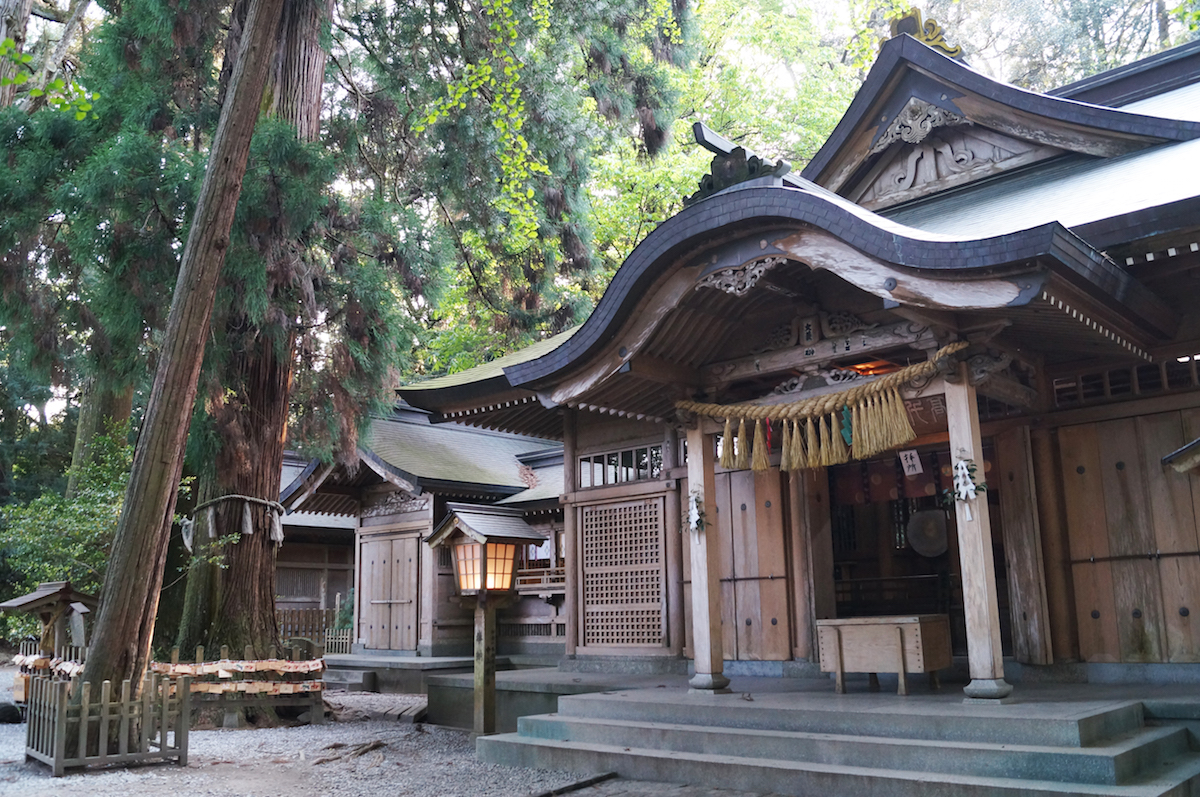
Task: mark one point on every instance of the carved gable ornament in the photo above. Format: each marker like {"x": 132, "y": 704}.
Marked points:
{"x": 928, "y": 32}
{"x": 936, "y": 149}
{"x": 733, "y": 168}
{"x": 738, "y": 280}
{"x": 915, "y": 122}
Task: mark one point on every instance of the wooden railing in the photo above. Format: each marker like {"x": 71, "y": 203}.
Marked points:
{"x": 305, "y": 623}
{"x": 542, "y": 579}
{"x": 151, "y": 727}
{"x": 338, "y": 640}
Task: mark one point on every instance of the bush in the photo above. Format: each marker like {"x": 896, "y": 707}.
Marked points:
{"x": 51, "y": 538}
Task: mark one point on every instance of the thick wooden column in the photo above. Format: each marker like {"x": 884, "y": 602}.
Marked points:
{"x": 975, "y": 549}
{"x": 706, "y": 585}
{"x": 802, "y": 577}
{"x": 572, "y": 607}
{"x": 674, "y": 572}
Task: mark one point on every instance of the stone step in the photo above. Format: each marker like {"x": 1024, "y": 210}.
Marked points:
{"x": 1172, "y": 778}
{"x": 1025, "y": 724}
{"x": 1121, "y": 760}
{"x": 351, "y": 680}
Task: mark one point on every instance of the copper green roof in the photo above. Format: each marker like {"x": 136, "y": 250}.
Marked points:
{"x": 449, "y": 453}
{"x": 494, "y": 368}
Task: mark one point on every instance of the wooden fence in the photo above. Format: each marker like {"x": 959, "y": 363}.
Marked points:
{"x": 338, "y": 640}
{"x": 151, "y": 727}
{"x": 305, "y": 623}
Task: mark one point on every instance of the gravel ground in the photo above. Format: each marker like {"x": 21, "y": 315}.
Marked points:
{"x": 416, "y": 760}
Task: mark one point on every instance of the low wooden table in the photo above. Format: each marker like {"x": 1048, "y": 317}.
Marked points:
{"x": 904, "y": 644}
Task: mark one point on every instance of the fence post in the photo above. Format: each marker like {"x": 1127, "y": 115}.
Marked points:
{"x": 60, "y": 727}
{"x": 183, "y": 690}
{"x": 126, "y": 709}
{"x": 84, "y": 704}
{"x": 147, "y": 718}
{"x": 102, "y": 733}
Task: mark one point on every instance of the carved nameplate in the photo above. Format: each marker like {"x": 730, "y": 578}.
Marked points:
{"x": 824, "y": 351}
{"x": 397, "y": 503}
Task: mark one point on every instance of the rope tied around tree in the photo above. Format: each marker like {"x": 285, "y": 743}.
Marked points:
{"x": 820, "y": 431}
{"x": 187, "y": 527}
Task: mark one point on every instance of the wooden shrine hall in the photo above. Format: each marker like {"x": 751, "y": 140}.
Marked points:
{"x": 934, "y": 374}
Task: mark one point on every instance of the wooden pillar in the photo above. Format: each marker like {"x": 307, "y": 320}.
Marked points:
{"x": 975, "y": 550}
{"x": 485, "y": 666}
{"x": 802, "y": 577}
{"x": 572, "y": 607}
{"x": 1060, "y": 594}
{"x": 706, "y": 586}
{"x": 819, "y": 521}
{"x": 674, "y": 573}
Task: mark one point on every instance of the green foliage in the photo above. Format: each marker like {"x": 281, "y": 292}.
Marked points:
{"x": 51, "y": 538}
{"x": 475, "y": 131}
{"x": 66, "y": 96}
{"x": 345, "y": 614}
{"x": 768, "y": 76}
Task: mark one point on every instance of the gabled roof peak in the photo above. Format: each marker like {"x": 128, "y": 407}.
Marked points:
{"x": 918, "y": 102}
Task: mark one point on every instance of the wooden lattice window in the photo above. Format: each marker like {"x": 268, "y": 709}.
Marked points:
{"x": 623, "y": 573}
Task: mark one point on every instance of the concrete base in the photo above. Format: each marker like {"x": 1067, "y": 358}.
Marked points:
{"x": 626, "y": 665}
{"x": 988, "y": 689}
{"x": 403, "y": 674}
{"x": 709, "y": 683}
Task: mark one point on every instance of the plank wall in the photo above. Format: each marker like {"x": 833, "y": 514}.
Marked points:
{"x": 753, "y": 566}
{"x": 1132, "y": 537}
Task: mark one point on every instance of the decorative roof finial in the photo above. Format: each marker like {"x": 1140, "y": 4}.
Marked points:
{"x": 927, "y": 32}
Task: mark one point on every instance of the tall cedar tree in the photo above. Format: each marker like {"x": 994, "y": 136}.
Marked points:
{"x": 129, "y": 601}
{"x": 247, "y": 400}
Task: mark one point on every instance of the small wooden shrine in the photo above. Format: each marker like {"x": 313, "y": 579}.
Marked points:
{"x": 410, "y": 478}
{"x": 62, "y": 611}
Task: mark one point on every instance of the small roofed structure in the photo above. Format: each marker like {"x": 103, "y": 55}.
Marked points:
{"x": 492, "y": 533}
{"x": 55, "y": 604}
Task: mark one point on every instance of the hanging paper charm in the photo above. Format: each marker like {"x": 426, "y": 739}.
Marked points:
{"x": 965, "y": 487}
{"x": 695, "y": 512}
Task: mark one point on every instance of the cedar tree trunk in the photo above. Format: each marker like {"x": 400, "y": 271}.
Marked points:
{"x": 129, "y": 601}
{"x": 14, "y": 20}
{"x": 251, "y": 416}
{"x": 100, "y": 406}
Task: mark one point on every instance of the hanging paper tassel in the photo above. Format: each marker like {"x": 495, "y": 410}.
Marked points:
{"x": 211, "y": 521}
{"x": 276, "y": 527}
{"x": 839, "y": 454}
{"x": 187, "y": 528}
{"x": 762, "y": 459}
{"x": 785, "y": 448}
{"x": 728, "y": 459}
{"x": 247, "y": 519}
{"x": 743, "y": 446}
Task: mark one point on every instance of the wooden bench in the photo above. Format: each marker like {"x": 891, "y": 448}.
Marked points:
{"x": 904, "y": 644}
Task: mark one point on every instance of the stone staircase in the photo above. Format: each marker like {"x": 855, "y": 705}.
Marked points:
{"x": 841, "y": 745}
